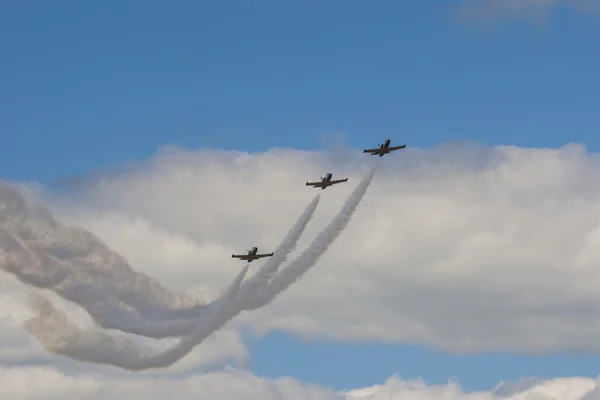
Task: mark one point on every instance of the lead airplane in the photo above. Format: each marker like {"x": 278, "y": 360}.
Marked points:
{"x": 326, "y": 182}
{"x": 383, "y": 149}
{"x": 252, "y": 255}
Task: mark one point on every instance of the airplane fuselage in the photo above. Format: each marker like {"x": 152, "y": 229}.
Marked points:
{"x": 383, "y": 149}
{"x": 384, "y": 145}
{"x": 252, "y": 255}
{"x": 252, "y": 252}
{"x": 326, "y": 181}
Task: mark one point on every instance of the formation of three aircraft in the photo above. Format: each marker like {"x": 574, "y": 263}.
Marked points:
{"x": 325, "y": 182}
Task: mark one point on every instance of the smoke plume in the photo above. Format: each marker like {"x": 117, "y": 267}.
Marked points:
{"x": 28, "y": 254}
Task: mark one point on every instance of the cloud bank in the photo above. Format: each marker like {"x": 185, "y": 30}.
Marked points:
{"x": 48, "y": 255}
{"x": 232, "y": 384}
{"x": 462, "y": 248}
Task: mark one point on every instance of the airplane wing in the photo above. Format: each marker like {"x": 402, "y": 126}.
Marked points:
{"x": 371, "y": 150}
{"x": 338, "y": 181}
{"x": 241, "y": 257}
{"x": 263, "y": 255}
{"x": 396, "y": 147}
{"x": 314, "y": 183}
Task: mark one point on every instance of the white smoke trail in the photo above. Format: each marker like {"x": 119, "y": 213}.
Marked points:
{"x": 261, "y": 295}
{"x": 58, "y": 335}
{"x": 43, "y": 271}
{"x": 179, "y": 322}
{"x": 252, "y": 300}
{"x": 297, "y": 268}
{"x": 261, "y": 290}
{"x": 264, "y": 274}
{"x": 71, "y": 280}
{"x": 267, "y": 292}
{"x": 58, "y": 256}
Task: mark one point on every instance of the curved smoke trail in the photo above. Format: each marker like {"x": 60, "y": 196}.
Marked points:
{"x": 108, "y": 350}
{"x": 77, "y": 280}
{"x": 58, "y": 335}
{"x": 59, "y": 256}
{"x": 266, "y": 272}
{"x": 179, "y": 322}
{"x": 297, "y": 268}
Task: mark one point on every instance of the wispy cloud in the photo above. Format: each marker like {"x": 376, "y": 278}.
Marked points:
{"x": 233, "y": 384}
{"x": 506, "y": 8}
{"x": 539, "y": 11}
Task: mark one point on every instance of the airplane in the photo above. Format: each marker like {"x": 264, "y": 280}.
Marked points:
{"x": 251, "y": 256}
{"x": 325, "y": 182}
{"x": 383, "y": 149}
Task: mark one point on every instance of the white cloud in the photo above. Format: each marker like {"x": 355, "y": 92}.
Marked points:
{"x": 538, "y": 10}
{"x": 48, "y": 383}
{"x": 18, "y": 346}
{"x": 14, "y": 344}
{"x": 461, "y": 248}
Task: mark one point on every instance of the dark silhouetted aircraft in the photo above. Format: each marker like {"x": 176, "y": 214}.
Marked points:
{"x": 252, "y": 255}
{"x": 383, "y": 149}
{"x": 325, "y": 182}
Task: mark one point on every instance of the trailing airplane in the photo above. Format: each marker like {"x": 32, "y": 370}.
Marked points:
{"x": 383, "y": 149}
{"x": 252, "y": 255}
{"x": 325, "y": 182}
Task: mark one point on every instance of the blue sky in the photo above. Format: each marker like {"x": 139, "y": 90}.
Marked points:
{"x": 88, "y": 84}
